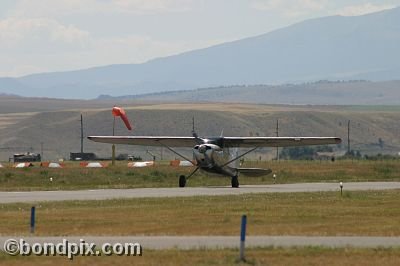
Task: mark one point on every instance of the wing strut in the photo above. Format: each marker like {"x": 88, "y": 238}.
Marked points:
{"x": 195, "y": 170}
{"x": 240, "y": 156}
{"x": 177, "y": 153}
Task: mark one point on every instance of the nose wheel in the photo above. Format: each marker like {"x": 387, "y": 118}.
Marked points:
{"x": 182, "y": 178}
{"x": 235, "y": 181}
{"x": 182, "y": 181}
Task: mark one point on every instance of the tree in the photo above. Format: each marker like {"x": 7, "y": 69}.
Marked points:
{"x": 303, "y": 153}
{"x": 381, "y": 143}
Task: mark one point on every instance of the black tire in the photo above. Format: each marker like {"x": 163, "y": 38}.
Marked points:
{"x": 235, "y": 182}
{"x": 182, "y": 181}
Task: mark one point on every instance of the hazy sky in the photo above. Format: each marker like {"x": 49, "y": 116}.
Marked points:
{"x": 56, "y": 35}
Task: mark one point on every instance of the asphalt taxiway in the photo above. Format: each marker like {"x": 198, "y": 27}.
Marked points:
{"x": 196, "y": 242}
{"x": 103, "y": 194}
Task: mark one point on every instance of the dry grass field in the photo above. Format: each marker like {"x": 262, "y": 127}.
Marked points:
{"x": 7, "y": 120}
{"x": 366, "y": 213}
{"x": 265, "y": 256}
{"x": 375, "y": 213}
{"x": 74, "y": 177}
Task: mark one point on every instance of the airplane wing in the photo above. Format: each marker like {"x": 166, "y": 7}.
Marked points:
{"x": 227, "y": 141}
{"x": 278, "y": 141}
{"x": 147, "y": 140}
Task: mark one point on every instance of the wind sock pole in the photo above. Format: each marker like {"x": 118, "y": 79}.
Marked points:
{"x": 113, "y": 146}
{"x": 117, "y": 111}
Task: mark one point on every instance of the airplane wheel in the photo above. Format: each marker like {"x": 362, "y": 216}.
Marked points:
{"x": 182, "y": 181}
{"x": 235, "y": 181}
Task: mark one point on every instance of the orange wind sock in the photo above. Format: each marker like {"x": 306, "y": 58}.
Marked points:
{"x": 118, "y": 111}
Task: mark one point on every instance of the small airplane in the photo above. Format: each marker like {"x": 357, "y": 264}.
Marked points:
{"x": 212, "y": 154}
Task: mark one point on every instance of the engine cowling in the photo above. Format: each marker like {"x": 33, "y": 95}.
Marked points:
{"x": 203, "y": 154}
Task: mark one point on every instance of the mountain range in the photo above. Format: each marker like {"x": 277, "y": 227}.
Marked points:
{"x": 330, "y": 48}
{"x": 358, "y": 92}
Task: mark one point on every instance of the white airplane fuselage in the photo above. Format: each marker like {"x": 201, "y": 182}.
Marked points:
{"x": 213, "y": 159}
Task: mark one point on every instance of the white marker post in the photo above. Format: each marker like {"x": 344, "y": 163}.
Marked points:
{"x": 341, "y": 188}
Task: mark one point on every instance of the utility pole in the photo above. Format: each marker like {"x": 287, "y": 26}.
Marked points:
{"x": 81, "y": 134}
{"x": 193, "y": 129}
{"x": 277, "y": 134}
{"x": 113, "y": 146}
{"x": 348, "y": 137}
{"x": 41, "y": 150}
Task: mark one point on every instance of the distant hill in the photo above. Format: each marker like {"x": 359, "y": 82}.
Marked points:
{"x": 332, "y": 48}
{"x": 322, "y": 92}
{"x": 373, "y": 129}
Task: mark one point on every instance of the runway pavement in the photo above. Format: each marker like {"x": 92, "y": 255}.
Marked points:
{"x": 195, "y": 242}
{"x": 102, "y": 194}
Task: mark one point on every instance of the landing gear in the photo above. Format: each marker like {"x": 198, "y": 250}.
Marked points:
{"x": 235, "y": 181}
{"x": 182, "y": 181}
